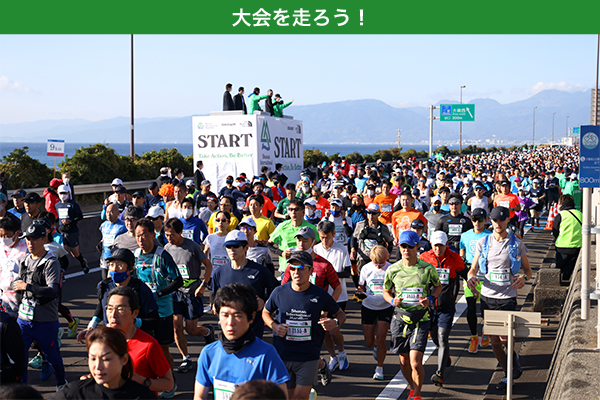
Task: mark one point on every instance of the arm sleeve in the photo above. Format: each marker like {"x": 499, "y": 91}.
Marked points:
{"x": 52, "y": 275}
{"x": 173, "y": 286}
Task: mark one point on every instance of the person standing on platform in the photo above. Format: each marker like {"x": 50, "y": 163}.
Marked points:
{"x": 254, "y": 98}
{"x": 280, "y": 105}
{"x": 227, "y": 100}
{"x": 269, "y": 102}
{"x": 238, "y": 100}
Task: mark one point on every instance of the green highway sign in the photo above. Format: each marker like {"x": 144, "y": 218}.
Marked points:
{"x": 576, "y": 130}
{"x": 457, "y": 112}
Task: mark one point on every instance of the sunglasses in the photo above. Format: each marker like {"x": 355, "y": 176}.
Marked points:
{"x": 225, "y": 204}
{"x": 406, "y": 246}
{"x": 477, "y": 219}
{"x": 372, "y": 212}
{"x": 233, "y": 246}
{"x": 298, "y": 267}
{"x": 454, "y": 203}
{"x": 221, "y": 220}
{"x": 293, "y": 209}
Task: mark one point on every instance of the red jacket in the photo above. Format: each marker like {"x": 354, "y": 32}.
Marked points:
{"x": 51, "y": 200}
{"x": 447, "y": 268}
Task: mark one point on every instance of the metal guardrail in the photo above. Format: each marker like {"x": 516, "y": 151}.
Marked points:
{"x": 99, "y": 187}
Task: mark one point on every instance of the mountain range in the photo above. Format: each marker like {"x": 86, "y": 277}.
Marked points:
{"x": 352, "y": 121}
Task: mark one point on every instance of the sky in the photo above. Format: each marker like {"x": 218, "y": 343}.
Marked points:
{"x": 88, "y": 76}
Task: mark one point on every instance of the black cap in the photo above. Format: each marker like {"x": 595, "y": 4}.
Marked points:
{"x": 417, "y": 224}
{"x": 500, "y": 213}
{"x": 32, "y": 198}
{"x": 153, "y": 185}
{"x": 35, "y": 231}
{"x": 301, "y": 256}
{"x": 479, "y": 212}
{"x": 122, "y": 255}
{"x": 504, "y": 182}
{"x": 121, "y": 189}
{"x": 306, "y": 232}
{"x": 138, "y": 194}
{"x": 19, "y": 193}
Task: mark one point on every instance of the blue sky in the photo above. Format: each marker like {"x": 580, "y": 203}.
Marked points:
{"x": 88, "y": 76}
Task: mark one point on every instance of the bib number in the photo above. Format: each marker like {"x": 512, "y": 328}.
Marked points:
{"x": 188, "y": 234}
{"x": 153, "y": 286}
{"x": 376, "y": 286}
{"x": 63, "y": 213}
{"x": 183, "y": 271}
{"x": 535, "y": 200}
{"x": 340, "y": 235}
{"x": 369, "y": 244}
{"x": 218, "y": 261}
{"x": 500, "y": 277}
{"x": 313, "y": 278}
{"x": 455, "y": 229}
{"x": 411, "y": 296}
{"x": 241, "y": 204}
{"x": 109, "y": 240}
{"x": 504, "y": 204}
{"x": 444, "y": 275}
{"x": 26, "y": 309}
{"x": 224, "y": 390}
{"x": 299, "y": 331}
{"x": 386, "y": 208}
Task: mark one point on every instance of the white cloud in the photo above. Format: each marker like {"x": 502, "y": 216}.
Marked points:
{"x": 7, "y": 84}
{"x": 562, "y": 86}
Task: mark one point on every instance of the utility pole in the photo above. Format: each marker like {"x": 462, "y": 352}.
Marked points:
{"x": 431, "y": 118}
{"x": 399, "y": 138}
{"x": 460, "y": 139}
{"x": 131, "y": 145}
{"x": 553, "y": 114}
{"x": 533, "y": 137}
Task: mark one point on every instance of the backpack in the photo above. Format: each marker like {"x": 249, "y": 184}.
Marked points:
{"x": 513, "y": 249}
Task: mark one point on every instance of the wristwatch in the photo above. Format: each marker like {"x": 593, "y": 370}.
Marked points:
{"x": 337, "y": 322}
{"x": 147, "y": 382}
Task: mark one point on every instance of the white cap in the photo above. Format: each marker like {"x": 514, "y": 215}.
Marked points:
{"x": 63, "y": 189}
{"x": 573, "y": 176}
{"x": 235, "y": 238}
{"x": 336, "y": 202}
{"x": 116, "y": 182}
{"x": 311, "y": 202}
{"x": 439, "y": 237}
{"x": 373, "y": 207}
{"x": 436, "y": 198}
{"x": 248, "y": 221}
{"x": 155, "y": 212}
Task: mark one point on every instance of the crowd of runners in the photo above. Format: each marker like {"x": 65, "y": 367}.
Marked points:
{"x": 268, "y": 255}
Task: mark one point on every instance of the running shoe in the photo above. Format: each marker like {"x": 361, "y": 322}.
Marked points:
{"x": 59, "y": 387}
{"x": 334, "y": 363}
{"x": 185, "y": 366}
{"x": 36, "y": 362}
{"x": 168, "y": 394}
{"x": 375, "y": 353}
{"x": 485, "y": 341}
{"x": 46, "y": 371}
{"x": 313, "y": 394}
{"x": 344, "y": 363}
{"x": 437, "y": 380}
{"x": 411, "y": 394}
{"x": 59, "y": 337}
{"x": 378, "y": 375}
{"x": 325, "y": 373}
{"x": 210, "y": 337}
{"x": 72, "y": 331}
{"x": 207, "y": 309}
{"x": 473, "y": 344}
{"x": 84, "y": 266}
{"x": 449, "y": 362}
{"x": 517, "y": 369}
{"x": 502, "y": 384}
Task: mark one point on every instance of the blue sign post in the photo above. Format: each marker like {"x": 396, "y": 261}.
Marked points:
{"x": 589, "y": 156}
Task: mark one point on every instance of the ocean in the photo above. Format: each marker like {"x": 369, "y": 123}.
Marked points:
{"x": 38, "y": 150}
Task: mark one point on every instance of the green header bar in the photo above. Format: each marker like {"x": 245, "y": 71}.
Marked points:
{"x": 305, "y": 17}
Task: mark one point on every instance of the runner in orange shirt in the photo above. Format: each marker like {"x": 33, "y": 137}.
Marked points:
{"x": 402, "y": 218}
{"x": 386, "y": 201}
{"x": 508, "y": 200}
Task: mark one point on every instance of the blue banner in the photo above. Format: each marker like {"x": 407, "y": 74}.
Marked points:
{"x": 589, "y": 156}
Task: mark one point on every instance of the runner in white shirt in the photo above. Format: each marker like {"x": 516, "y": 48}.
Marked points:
{"x": 337, "y": 255}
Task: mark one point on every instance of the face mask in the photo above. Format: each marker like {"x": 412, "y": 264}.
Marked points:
{"x": 437, "y": 208}
{"x": 187, "y": 212}
{"x": 309, "y": 212}
{"x": 257, "y": 191}
{"x": 335, "y": 213}
{"x": 63, "y": 196}
{"x": 370, "y": 192}
{"x": 66, "y": 181}
{"x": 305, "y": 189}
{"x": 229, "y": 181}
{"x": 118, "y": 277}
{"x": 8, "y": 241}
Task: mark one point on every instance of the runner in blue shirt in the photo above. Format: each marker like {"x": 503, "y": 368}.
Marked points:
{"x": 193, "y": 227}
{"x": 111, "y": 228}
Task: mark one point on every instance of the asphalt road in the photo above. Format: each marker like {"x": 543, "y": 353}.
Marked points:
{"x": 467, "y": 378}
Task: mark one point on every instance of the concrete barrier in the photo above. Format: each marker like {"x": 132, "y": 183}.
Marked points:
{"x": 575, "y": 367}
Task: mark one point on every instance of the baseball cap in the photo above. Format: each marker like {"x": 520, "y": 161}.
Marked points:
{"x": 573, "y": 176}
{"x": 155, "y": 212}
{"x": 153, "y": 185}
{"x": 435, "y": 199}
{"x": 124, "y": 255}
{"x": 121, "y": 189}
{"x": 116, "y": 182}
{"x": 306, "y": 232}
{"x": 409, "y": 237}
{"x": 417, "y": 224}
{"x": 235, "y": 238}
{"x": 536, "y": 180}
{"x": 504, "y": 182}
{"x": 190, "y": 183}
{"x": 479, "y": 212}
{"x": 62, "y": 189}
{"x": 373, "y": 208}
{"x": 19, "y": 193}
{"x": 336, "y": 202}
{"x": 302, "y": 257}
{"x": 138, "y": 194}
{"x": 55, "y": 182}
{"x": 439, "y": 237}
{"x": 205, "y": 182}
{"x": 35, "y": 231}
{"x": 32, "y": 198}
{"x": 248, "y": 221}
{"x": 500, "y": 213}
{"x": 311, "y": 202}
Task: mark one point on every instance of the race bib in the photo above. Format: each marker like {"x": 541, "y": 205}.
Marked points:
{"x": 299, "y": 331}
{"x": 318, "y": 213}
{"x": 275, "y": 203}
{"x": 535, "y": 200}
{"x": 505, "y": 203}
{"x": 241, "y": 204}
{"x": 454, "y": 229}
{"x": 109, "y": 240}
{"x": 183, "y": 271}
{"x": 26, "y": 309}
{"x": 63, "y": 213}
{"x": 188, "y": 234}
{"x": 218, "y": 261}
{"x": 369, "y": 244}
{"x": 411, "y": 296}
{"x": 313, "y": 278}
{"x": 500, "y": 277}
{"x": 153, "y": 287}
{"x": 386, "y": 208}
{"x": 444, "y": 275}
{"x": 340, "y": 235}
{"x": 224, "y": 390}
{"x": 376, "y": 286}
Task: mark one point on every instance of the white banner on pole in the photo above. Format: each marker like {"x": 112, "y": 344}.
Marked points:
{"x": 230, "y": 145}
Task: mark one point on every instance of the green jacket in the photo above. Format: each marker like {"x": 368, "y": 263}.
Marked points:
{"x": 278, "y": 108}
{"x": 569, "y": 229}
{"x": 253, "y": 103}
{"x": 572, "y": 188}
